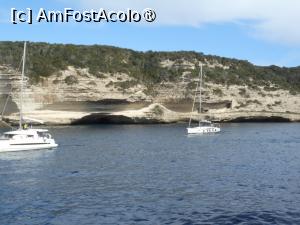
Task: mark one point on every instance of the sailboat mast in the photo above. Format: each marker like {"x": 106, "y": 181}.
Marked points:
{"x": 22, "y": 83}
{"x": 200, "y": 93}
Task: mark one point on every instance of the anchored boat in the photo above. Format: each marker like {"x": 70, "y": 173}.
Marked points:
{"x": 204, "y": 126}
{"x": 25, "y": 138}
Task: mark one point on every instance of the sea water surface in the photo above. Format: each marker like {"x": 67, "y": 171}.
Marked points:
{"x": 156, "y": 174}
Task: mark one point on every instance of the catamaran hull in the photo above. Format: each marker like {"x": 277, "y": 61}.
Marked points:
{"x": 203, "y": 130}
{"x": 28, "y": 147}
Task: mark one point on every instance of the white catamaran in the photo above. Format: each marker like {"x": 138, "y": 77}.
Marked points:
{"x": 25, "y": 138}
{"x": 204, "y": 126}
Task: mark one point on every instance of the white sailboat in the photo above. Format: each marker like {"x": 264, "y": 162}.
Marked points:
{"x": 25, "y": 138}
{"x": 204, "y": 126}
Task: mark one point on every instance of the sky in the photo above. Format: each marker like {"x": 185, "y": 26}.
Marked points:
{"x": 264, "y": 32}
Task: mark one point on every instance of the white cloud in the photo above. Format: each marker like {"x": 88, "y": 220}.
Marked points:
{"x": 273, "y": 20}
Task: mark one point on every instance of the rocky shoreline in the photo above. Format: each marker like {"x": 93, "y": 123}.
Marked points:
{"x": 118, "y": 98}
{"x": 152, "y": 114}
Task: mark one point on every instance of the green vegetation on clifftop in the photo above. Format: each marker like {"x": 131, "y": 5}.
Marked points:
{"x": 146, "y": 67}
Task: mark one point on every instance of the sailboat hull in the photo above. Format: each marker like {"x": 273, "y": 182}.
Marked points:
{"x": 27, "y": 147}
{"x": 203, "y": 130}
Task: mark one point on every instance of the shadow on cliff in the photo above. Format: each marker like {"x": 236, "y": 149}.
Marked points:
{"x": 260, "y": 119}
{"x": 105, "y": 118}
{"x": 11, "y": 107}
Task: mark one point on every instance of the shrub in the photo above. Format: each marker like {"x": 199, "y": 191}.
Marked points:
{"x": 157, "y": 110}
{"x": 55, "y": 81}
{"x": 92, "y": 83}
{"x": 70, "y": 80}
{"x": 218, "y": 92}
{"x": 242, "y": 91}
{"x": 45, "y": 59}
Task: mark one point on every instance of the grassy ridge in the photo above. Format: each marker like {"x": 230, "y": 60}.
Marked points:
{"x": 45, "y": 59}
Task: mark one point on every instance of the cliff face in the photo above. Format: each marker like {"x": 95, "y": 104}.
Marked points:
{"x": 76, "y": 95}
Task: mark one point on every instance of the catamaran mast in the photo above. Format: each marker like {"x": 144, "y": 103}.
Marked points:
{"x": 21, "y": 91}
{"x": 200, "y": 93}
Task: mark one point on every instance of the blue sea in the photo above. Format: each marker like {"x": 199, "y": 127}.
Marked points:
{"x": 156, "y": 174}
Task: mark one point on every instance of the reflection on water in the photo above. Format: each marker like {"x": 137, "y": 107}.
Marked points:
{"x": 156, "y": 174}
{"x": 26, "y": 155}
